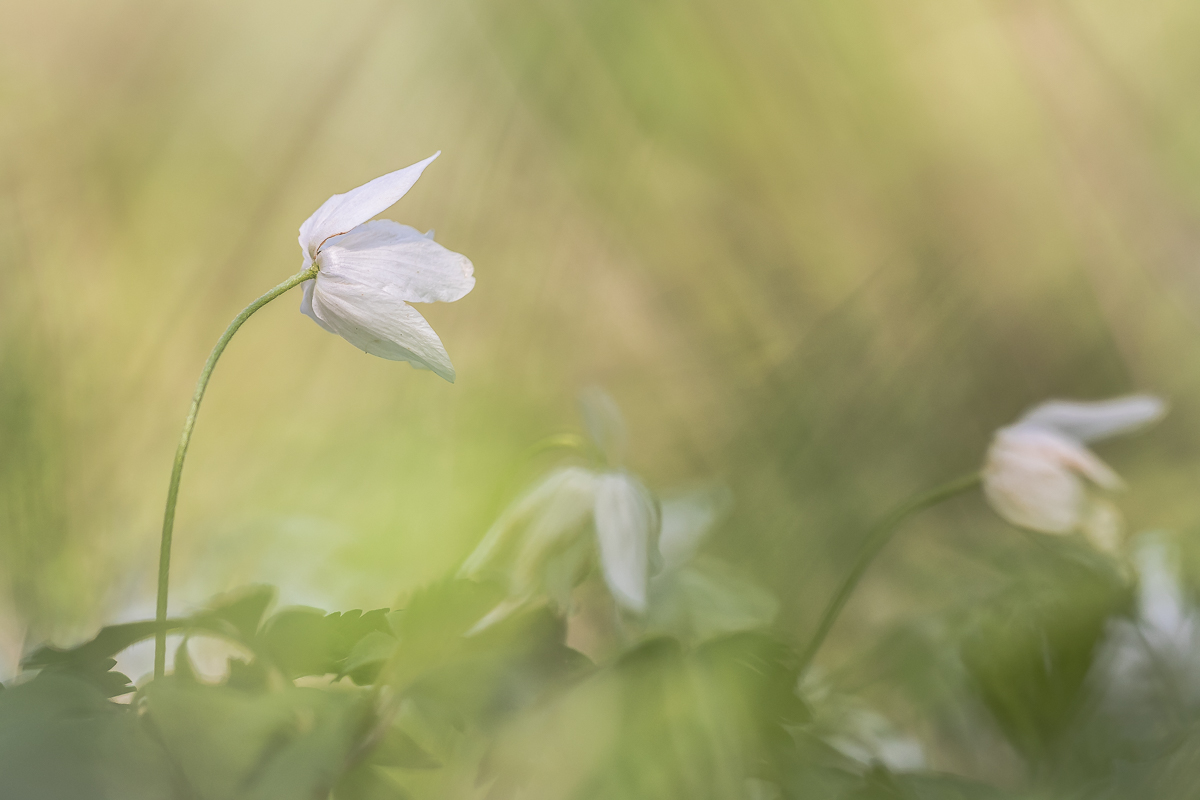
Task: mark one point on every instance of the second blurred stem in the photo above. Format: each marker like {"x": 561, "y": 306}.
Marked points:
{"x": 875, "y": 541}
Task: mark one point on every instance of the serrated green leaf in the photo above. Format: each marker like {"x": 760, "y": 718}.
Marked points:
{"x": 306, "y": 641}
{"x": 109, "y": 641}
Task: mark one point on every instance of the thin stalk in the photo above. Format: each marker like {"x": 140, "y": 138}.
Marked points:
{"x": 875, "y": 541}
{"x": 164, "y": 555}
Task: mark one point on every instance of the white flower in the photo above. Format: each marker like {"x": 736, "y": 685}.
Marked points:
{"x": 369, "y": 272}
{"x": 1148, "y": 669}
{"x": 1035, "y": 469}
{"x": 551, "y": 536}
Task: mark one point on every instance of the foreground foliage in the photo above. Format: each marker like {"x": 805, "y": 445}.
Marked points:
{"x": 404, "y": 704}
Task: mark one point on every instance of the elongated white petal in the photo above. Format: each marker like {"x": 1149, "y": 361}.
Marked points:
{"x": 627, "y": 527}
{"x": 1032, "y": 478}
{"x": 1090, "y": 421}
{"x": 604, "y": 423}
{"x": 560, "y": 521}
{"x": 343, "y": 212}
{"x": 395, "y": 259}
{"x": 539, "y": 501}
{"x": 379, "y": 323}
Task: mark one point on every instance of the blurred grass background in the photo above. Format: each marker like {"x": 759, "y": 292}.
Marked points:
{"x": 817, "y": 250}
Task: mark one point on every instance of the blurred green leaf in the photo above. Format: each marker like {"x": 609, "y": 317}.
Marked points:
{"x": 236, "y": 614}
{"x": 242, "y": 610}
{"x": 484, "y": 678}
{"x": 61, "y": 738}
{"x": 707, "y": 598}
{"x": 250, "y": 676}
{"x": 367, "y": 782}
{"x": 232, "y": 745}
{"x": 1029, "y": 651}
{"x": 111, "y": 639}
{"x": 398, "y": 749}
{"x": 368, "y": 655}
{"x": 307, "y": 641}
{"x": 432, "y": 626}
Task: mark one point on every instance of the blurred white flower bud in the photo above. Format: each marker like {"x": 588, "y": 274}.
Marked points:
{"x": 552, "y": 536}
{"x": 1035, "y": 471}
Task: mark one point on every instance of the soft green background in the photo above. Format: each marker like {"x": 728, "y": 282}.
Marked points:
{"x": 817, "y": 250}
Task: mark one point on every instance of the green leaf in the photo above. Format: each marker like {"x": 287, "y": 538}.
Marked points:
{"x": 368, "y": 656}
{"x": 111, "y": 640}
{"x": 1029, "y": 651}
{"x": 306, "y": 641}
{"x": 248, "y": 677}
{"x": 237, "y": 615}
{"x": 482, "y": 679}
{"x": 61, "y": 737}
{"x": 231, "y": 745}
{"x": 241, "y": 610}
{"x": 398, "y": 749}
{"x": 366, "y": 782}
{"x": 432, "y": 627}
{"x": 297, "y": 641}
{"x": 184, "y": 671}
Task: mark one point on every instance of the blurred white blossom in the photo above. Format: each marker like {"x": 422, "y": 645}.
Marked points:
{"x": 700, "y": 596}
{"x": 1149, "y": 666}
{"x": 550, "y": 538}
{"x": 856, "y": 730}
{"x": 1036, "y": 468}
{"x": 369, "y": 272}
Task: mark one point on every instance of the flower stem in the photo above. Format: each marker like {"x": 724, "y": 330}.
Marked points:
{"x": 164, "y": 555}
{"x": 879, "y": 536}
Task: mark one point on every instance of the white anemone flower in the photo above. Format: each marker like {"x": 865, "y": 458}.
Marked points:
{"x": 548, "y": 540}
{"x": 1037, "y": 470}
{"x": 1149, "y": 675}
{"x": 369, "y": 272}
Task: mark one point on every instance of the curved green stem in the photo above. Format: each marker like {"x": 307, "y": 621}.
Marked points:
{"x": 164, "y": 555}
{"x": 879, "y": 536}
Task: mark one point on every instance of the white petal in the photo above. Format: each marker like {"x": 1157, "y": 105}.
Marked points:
{"x": 555, "y": 525}
{"x": 397, "y": 260}
{"x": 575, "y": 485}
{"x": 379, "y": 323}
{"x": 1096, "y": 420}
{"x": 604, "y": 423}
{"x": 306, "y": 305}
{"x": 1161, "y": 600}
{"x": 343, "y": 212}
{"x": 627, "y": 527}
{"x": 1031, "y": 478}
{"x": 686, "y": 520}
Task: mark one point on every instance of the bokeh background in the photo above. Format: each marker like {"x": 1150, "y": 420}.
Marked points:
{"x": 817, "y": 250}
